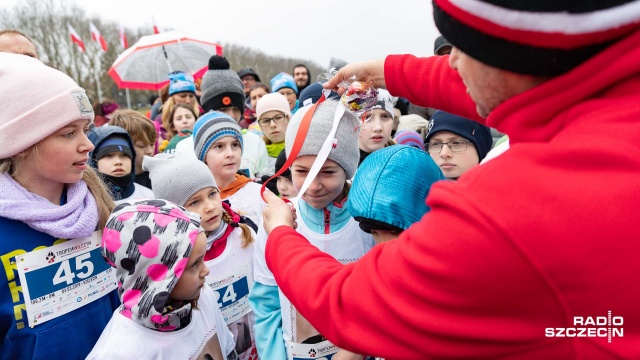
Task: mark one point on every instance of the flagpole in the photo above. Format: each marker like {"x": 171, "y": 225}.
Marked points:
{"x": 96, "y": 69}
{"x": 128, "y": 99}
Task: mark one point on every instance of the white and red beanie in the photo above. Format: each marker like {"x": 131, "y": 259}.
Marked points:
{"x": 38, "y": 101}
{"x": 541, "y": 38}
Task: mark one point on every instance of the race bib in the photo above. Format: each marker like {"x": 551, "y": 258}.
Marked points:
{"x": 64, "y": 277}
{"x": 321, "y": 351}
{"x": 232, "y": 294}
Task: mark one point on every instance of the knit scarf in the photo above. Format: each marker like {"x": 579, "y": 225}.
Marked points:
{"x": 77, "y": 218}
{"x": 233, "y": 188}
{"x": 217, "y": 241}
{"x": 275, "y": 149}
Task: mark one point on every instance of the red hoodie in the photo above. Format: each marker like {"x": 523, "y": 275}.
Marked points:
{"x": 540, "y": 235}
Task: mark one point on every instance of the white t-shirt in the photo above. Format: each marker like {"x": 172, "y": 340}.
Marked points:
{"x": 346, "y": 245}
{"x": 248, "y": 202}
{"x": 231, "y": 277}
{"x": 140, "y": 192}
{"x": 207, "y": 334}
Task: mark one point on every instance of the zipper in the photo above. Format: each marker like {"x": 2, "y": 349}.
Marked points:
{"x": 327, "y": 219}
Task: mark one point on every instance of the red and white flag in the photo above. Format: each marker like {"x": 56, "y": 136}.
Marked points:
{"x": 156, "y": 29}
{"x": 75, "y": 38}
{"x": 123, "y": 38}
{"x": 97, "y": 37}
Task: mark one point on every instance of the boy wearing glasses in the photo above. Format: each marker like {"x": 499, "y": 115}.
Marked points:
{"x": 456, "y": 144}
{"x": 273, "y": 114}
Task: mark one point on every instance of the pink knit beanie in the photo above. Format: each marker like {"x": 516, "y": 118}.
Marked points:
{"x": 273, "y": 101}
{"x": 38, "y": 101}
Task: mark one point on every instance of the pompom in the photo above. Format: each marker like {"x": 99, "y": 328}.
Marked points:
{"x": 218, "y": 63}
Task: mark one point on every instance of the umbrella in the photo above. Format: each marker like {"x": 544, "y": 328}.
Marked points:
{"x": 147, "y": 63}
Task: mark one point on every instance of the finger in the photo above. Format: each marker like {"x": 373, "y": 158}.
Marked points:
{"x": 339, "y": 77}
{"x": 272, "y": 199}
{"x": 295, "y": 225}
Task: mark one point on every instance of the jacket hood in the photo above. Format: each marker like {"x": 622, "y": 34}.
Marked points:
{"x": 149, "y": 243}
{"x": 99, "y": 134}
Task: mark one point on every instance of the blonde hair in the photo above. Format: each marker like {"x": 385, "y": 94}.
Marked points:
{"x": 96, "y": 186}
{"x": 247, "y": 238}
{"x": 137, "y": 125}
{"x": 167, "y": 110}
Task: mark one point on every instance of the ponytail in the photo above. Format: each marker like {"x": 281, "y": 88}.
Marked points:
{"x": 247, "y": 237}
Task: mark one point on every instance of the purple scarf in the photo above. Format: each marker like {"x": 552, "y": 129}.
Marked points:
{"x": 77, "y": 218}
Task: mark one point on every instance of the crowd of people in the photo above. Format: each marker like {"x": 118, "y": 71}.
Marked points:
{"x": 246, "y": 219}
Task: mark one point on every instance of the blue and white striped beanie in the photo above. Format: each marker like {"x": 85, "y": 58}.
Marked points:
{"x": 211, "y": 127}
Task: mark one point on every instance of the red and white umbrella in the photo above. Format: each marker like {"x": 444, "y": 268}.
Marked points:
{"x": 147, "y": 63}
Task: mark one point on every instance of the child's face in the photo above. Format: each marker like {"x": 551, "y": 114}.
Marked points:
{"x": 453, "y": 164}
{"x": 223, "y": 158}
{"x": 60, "y": 157}
{"x": 183, "y": 119}
{"x": 115, "y": 163}
{"x": 290, "y": 95}
{"x": 325, "y": 188}
{"x": 141, "y": 148}
{"x": 285, "y": 188}
{"x": 380, "y": 236}
{"x": 274, "y": 131}
{"x": 193, "y": 276}
{"x": 232, "y": 111}
{"x": 208, "y": 204}
{"x": 375, "y": 133}
{"x": 255, "y": 95}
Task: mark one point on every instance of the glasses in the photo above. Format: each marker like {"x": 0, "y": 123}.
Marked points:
{"x": 276, "y": 119}
{"x": 454, "y": 146}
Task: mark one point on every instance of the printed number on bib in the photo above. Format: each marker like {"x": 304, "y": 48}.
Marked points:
{"x": 65, "y": 274}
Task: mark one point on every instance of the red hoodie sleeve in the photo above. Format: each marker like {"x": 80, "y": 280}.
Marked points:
{"x": 429, "y": 82}
{"x": 451, "y": 286}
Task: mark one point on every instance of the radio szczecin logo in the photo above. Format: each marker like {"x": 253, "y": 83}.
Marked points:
{"x": 598, "y": 326}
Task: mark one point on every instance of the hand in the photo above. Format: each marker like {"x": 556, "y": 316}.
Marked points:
{"x": 343, "y": 354}
{"x": 277, "y": 213}
{"x": 370, "y": 71}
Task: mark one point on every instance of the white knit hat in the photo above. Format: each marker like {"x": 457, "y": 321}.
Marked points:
{"x": 38, "y": 101}
{"x": 273, "y": 101}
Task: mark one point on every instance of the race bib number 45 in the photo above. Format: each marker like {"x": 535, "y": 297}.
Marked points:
{"x": 63, "y": 277}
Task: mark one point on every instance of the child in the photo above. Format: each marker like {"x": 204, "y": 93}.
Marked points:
{"x": 467, "y": 143}
{"x": 218, "y": 142}
{"x": 223, "y": 91}
{"x": 284, "y": 184}
{"x": 324, "y": 219}
{"x": 181, "y": 125}
{"x": 389, "y": 191}
{"x": 48, "y": 195}
{"x": 229, "y": 252}
{"x": 182, "y": 90}
{"x": 113, "y": 158}
{"x": 410, "y": 138}
{"x": 258, "y": 90}
{"x": 273, "y": 115}
{"x": 157, "y": 249}
{"x": 284, "y": 84}
{"x": 375, "y": 133}
{"x": 143, "y": 134}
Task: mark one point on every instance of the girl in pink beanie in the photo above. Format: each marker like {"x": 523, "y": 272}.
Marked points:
{"x": 273, "y": 114}
{"x": 51, "y": 204}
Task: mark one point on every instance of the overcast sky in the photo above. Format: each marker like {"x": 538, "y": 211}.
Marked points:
{"x": 314, "y": 30}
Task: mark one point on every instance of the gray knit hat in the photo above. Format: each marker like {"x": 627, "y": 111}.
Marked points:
{"x": 221, "y": 87}
{"x": 209, "y": 128}
{"x": 345, "y": 151}
{"x": 176, "y": 178}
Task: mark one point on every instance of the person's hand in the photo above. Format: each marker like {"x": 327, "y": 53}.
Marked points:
{"x": 343, "y": 354}
{"x": 370, "y": 71}
{"x": 277, "y": 213}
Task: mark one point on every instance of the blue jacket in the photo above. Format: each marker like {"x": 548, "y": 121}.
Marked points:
{"x": 97, "y": 136}
{"x": 70, "y": 336}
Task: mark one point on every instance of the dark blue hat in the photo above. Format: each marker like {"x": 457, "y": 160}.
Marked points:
{"x": 478, "y": 134}
{"x": 312, "y": 93}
